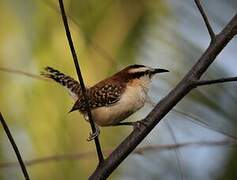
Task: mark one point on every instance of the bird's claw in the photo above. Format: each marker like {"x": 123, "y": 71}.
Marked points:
{"x": 139, "y": 124}
{"x": 92, "y": 136}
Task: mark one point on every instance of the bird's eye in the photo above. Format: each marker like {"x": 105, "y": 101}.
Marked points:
{"x": 147, "y": 72}
{"x": 137, "y": 75}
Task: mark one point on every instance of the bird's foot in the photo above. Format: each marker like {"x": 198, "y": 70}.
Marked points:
{"x": 139, "y": 124}
{"x": 92, "y": 136}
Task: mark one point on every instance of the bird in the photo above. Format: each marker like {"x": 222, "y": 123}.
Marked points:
{"x": 113, "y": 99}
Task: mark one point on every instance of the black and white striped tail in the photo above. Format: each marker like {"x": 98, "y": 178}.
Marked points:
{"x": 71, "y": 84}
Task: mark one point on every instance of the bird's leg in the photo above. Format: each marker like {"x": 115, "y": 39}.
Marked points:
{"x": 92, "y": 136}
{"x": 124, "y": 124}
{"x": 135, "y": 124}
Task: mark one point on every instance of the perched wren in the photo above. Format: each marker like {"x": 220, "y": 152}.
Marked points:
{"x": 113, "y": 99}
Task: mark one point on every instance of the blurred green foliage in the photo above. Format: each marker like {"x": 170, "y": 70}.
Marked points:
{"x": 109, "y": 35}
{"x": 106, "y": 35}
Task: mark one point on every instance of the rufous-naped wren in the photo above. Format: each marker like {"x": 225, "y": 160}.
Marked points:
{"x": 113, "y": 99}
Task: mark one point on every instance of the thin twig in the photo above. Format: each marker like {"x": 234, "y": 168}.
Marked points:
{"x": 53, "y": 158}
{"x": 177, "y": 152}
{"x": 140, "y": 151}
{"x": 9, "y": 70}
{"x": 204, "y": 16}
{"x": 215, "y": 81}
{"x": 68, "y": 34}
{"x": 14, "y": 146}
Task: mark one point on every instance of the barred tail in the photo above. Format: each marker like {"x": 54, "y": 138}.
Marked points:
{"x": 71, "y": 84}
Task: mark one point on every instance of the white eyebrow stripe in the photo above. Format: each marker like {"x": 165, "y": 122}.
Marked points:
{"x": 141, "y": 69}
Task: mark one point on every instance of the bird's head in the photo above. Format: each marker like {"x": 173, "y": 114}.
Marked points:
{"x": 140, "y": 72}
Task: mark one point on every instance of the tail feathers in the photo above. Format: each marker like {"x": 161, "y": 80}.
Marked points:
{"x": 71, "y": 84}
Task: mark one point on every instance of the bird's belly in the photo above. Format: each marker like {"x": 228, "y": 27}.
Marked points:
{"x": 130, "y": 102}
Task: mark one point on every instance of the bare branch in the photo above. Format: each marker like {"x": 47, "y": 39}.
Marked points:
{"x": 14, "y": 146}
{"x": 140, "y": 151}
{"x": 204, "y": 16}
{"x": 74, "y": 55}
{"x": 53, "y": 158}
{"x": 215, "y": 81}
{"x": 167, "y": 103}
{"x": 177, "y": 153}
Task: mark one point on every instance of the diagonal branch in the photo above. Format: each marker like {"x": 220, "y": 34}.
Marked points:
{"x": 204, "y": 16}
{"x": 68, "y": 34}
{"x": 215, "y": 81}
{"x": 14, "y": 146}
{"x": 168, "y": 102}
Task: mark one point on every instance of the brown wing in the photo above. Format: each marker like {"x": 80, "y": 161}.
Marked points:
{"x": 100, "y": 95}
{"x": 105, "y": 95}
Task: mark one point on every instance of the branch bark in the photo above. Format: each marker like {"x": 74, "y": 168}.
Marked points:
{"x": 168, "y": 102}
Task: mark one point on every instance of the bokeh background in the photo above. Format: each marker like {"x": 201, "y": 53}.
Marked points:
{"x": 108, "y": 36}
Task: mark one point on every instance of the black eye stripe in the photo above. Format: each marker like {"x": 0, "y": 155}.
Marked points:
{"x": 139, "y": 74}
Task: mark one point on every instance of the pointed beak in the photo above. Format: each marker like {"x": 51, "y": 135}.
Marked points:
{"x": 160, "y": 71}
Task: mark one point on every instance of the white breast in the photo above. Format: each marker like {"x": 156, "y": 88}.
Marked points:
{"x": 132, "y": 100}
